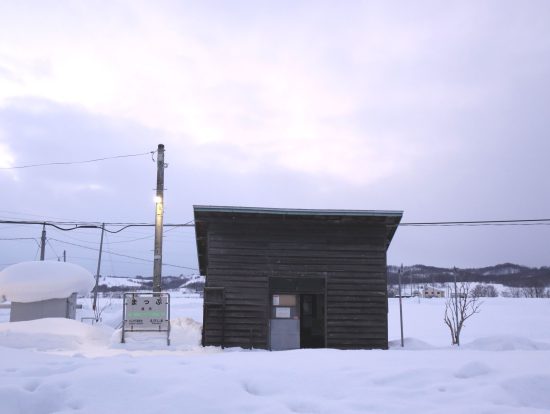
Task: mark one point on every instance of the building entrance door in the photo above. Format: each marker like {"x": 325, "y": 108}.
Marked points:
{"x": 312, "y": 321}
{"x": 285, "y": 322}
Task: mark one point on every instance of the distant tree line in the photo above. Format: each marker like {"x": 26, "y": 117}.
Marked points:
{"x": 507, "y": 274}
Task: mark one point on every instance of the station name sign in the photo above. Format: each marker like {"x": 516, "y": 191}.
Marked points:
{"x": 146, "y": 312}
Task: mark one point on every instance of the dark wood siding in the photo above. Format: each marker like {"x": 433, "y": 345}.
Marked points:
{"x": 242, "y": 254}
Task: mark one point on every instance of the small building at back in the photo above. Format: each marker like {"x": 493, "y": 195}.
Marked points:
{"x": 44, "y": 289}
{"x": 292, "y": 278}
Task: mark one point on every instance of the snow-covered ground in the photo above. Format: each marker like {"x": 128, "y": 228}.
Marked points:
{"x": 62, "y": 366}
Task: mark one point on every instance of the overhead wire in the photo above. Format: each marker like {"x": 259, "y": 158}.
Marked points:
{"x": 76, "y": 162}
{"x": 50, "y": 244}
{"x": 124, "y": 225}
{"x": 515, "y": 222}
{"x": 126, "y": 255}
{"x": 34, "y": 215}
{"x": 110, "y": 256}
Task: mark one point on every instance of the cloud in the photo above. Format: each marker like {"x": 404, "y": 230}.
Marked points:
{"x": 270, "y": 94}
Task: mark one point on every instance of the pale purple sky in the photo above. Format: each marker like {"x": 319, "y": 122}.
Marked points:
{"x": 440, "y": 109}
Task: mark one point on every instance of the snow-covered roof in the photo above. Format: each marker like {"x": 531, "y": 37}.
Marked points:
{"x": 43, "y": 280}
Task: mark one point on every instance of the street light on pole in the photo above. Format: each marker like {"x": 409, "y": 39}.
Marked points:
{"x": 159, "y": 213}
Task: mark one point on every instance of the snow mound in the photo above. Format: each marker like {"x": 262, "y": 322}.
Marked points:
{"x": 185, "y": 335}
{"x": 53, "y": 334}
{"x": 506, "y": 343}
{"x": 410, "y": 344}
{"x": 43, "y": 280}
{"x": 472, "y": 369}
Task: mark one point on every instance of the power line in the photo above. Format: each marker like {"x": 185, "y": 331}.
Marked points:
{"x": 51, "y": 245}
{"x": 90, "y": 225}
{"x": 123, "y": 255}
{"x": 18, "y": 238}
{"x": 31, "y": 214}
{"x": 76, "y": 162}
{"x": 124, "y": 225}
{"x": 518, "y": 222}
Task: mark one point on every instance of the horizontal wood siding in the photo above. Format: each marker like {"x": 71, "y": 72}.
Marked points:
{"x": 243, "y": 254}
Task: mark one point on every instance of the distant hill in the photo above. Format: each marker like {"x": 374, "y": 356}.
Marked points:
{"x": 507, "y": 274}
{"x": 126, "y": 284}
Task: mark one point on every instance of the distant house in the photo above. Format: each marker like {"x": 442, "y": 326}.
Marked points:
{"x": 431, "y": 292}
{"x": 289, "y": 278}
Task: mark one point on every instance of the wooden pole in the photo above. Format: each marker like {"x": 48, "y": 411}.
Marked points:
{"x": 400, "y": 305}
{"x": 94, "y": 306}
{"x": 43, "y": 242}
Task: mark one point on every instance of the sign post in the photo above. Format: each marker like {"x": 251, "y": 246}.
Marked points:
{"x": 146, "y": 312}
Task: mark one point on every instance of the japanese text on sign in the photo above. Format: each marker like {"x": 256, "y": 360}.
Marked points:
{"x": 144, "y": 312}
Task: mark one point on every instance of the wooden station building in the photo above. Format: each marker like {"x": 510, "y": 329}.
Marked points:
{"x": 291, "y": 278}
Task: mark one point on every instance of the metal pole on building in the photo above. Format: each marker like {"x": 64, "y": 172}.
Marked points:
{"x": 400, "y": 305}
{"x": 94, "y": 306}
{"x": 159, "y": 212}
{"x": 43, "y": 242}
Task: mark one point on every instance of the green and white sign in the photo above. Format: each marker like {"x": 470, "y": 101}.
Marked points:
{"x": 146, "y": 312}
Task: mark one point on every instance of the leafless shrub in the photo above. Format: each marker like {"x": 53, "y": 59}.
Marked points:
{"x": 459, "y": 306}
{"x": 485, "y": 291}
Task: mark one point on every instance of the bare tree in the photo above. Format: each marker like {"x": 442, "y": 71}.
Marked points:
{"x": 534, "y": 290}
{"x": 512, "y": 292}
{"x": 487, "y": 291}
{"x": 459, "y": 306}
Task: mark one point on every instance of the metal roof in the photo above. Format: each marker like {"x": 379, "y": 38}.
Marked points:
{"x": 299, "y": 211}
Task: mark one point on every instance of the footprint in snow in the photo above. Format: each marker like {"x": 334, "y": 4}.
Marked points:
{"x": 32, "y": 385}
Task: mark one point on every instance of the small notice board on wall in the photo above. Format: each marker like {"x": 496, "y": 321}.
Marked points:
{"x": 146, "y": 312}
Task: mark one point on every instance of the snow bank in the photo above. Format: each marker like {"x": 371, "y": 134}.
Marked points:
{"x": 410, "y": 344}
{"x": 506, "y": 343}
{"x": 185, "y": 335}
{"x": 35, "y": 281}
{"x": 53, "y": 334}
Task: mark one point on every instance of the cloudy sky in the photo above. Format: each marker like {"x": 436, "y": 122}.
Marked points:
{"x": 440, "y": 109}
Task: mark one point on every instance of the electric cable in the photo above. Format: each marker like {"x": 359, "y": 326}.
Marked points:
{"x": 51, "y": 245}
{"x": 125, "y": 255}
{"x": 83, "y": 224}
{"x": 517, "y": 222}
{"x": 76, "y": 162}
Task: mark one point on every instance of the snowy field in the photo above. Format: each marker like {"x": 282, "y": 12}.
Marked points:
{"x": 64, "y": 366}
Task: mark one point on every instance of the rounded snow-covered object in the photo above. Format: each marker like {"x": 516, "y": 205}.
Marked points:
{"x": 43, "y": 280}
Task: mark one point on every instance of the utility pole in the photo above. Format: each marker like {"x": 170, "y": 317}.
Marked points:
{"x": 64, "y": 255}
{"x": 43, "y": 243}
{"x": 400, "y": 306}
{"x": 159, "y": 212}
{"x": 456, "y": 310}
{"x": 94, "y": 306}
